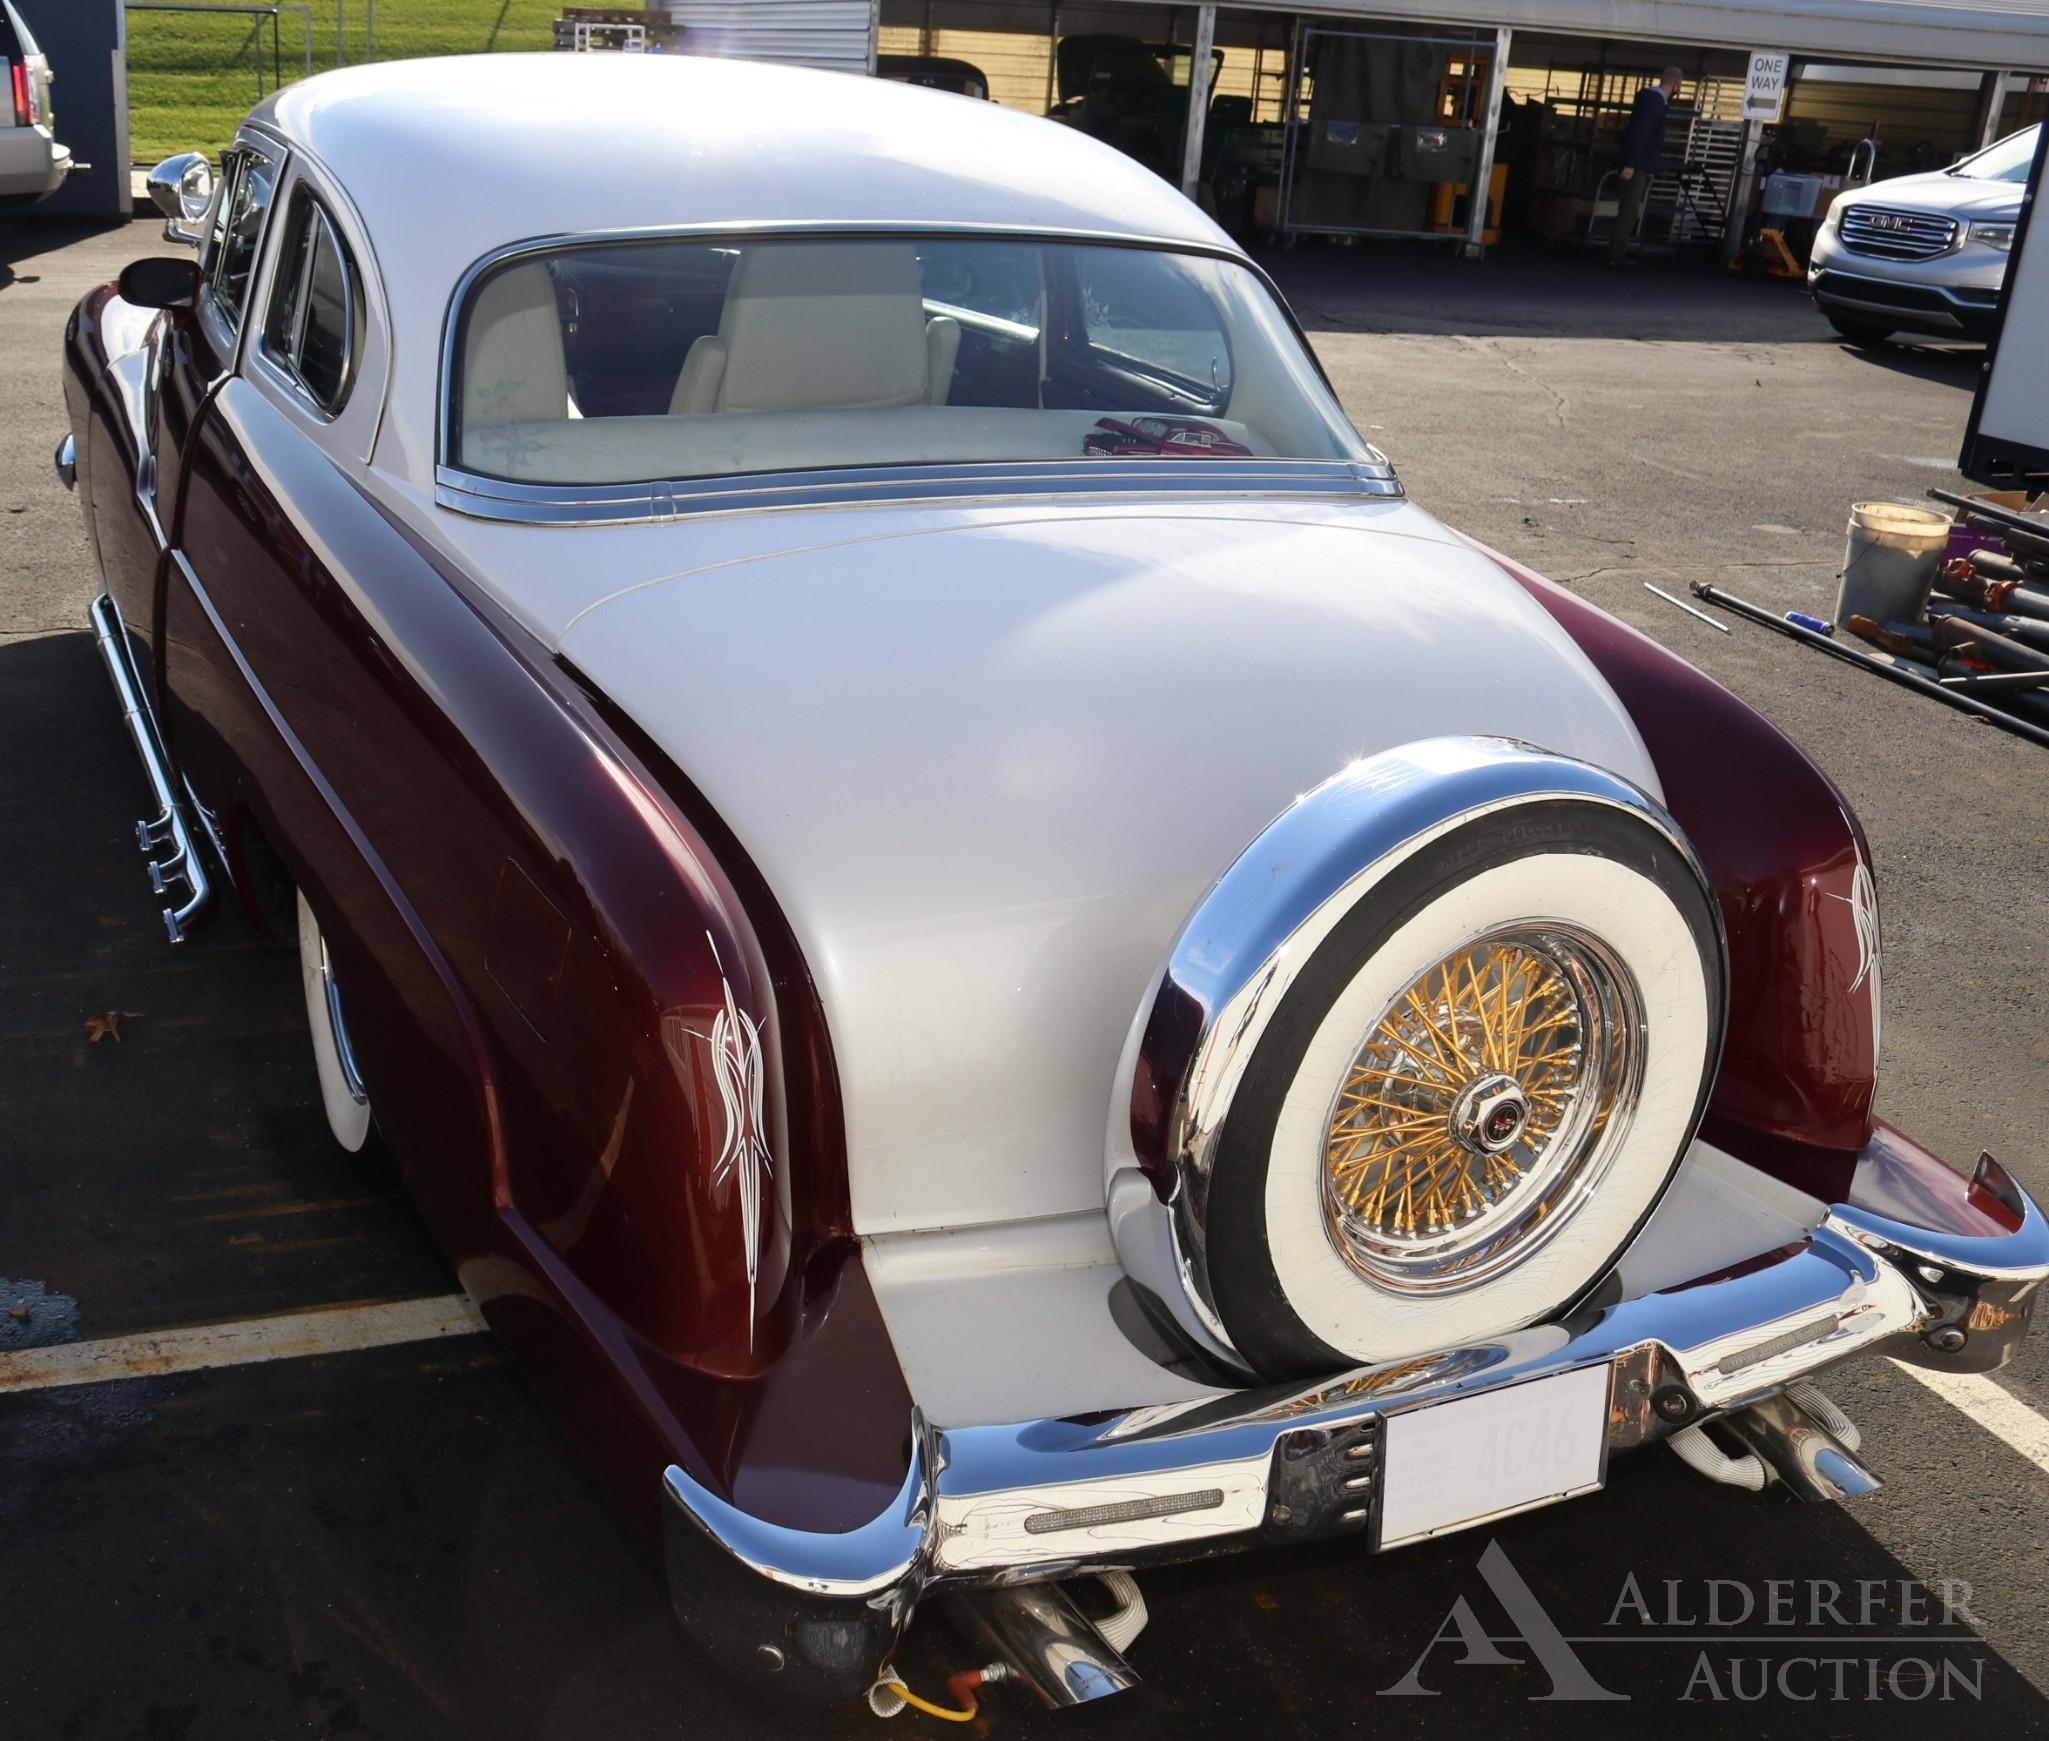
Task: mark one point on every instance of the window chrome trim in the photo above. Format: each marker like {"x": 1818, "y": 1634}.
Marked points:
{"x": 284, "y": 365}
{"x": 211, "y": 302}
{"x": 610, "y": 504}
{"x": 865, "y": 486}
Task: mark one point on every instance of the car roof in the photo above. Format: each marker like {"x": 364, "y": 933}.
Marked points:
{"x": 467, "y": 154}
{"x": 444, "y": 162}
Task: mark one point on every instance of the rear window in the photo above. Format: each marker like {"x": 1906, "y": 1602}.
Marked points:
{"x": 634, "y": 362}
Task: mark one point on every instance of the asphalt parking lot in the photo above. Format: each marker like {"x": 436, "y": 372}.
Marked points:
{"x": 397, "y": 1541}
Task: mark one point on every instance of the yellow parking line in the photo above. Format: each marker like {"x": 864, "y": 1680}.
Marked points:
{"x": 293, "y": 1336}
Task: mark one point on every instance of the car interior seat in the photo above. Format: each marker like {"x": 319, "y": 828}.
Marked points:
{"x": 821, "y": 326}
{"x": 514, "y": 370}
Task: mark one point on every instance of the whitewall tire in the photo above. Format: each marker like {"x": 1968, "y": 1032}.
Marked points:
{"x": 1473, "y": 1095}
{"x": 342, "y": 1094}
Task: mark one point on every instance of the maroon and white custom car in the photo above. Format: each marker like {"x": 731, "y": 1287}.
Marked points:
{"x": 997, "y": 961}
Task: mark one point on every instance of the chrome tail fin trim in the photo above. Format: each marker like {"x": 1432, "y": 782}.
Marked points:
{"x": 167, "y": 828}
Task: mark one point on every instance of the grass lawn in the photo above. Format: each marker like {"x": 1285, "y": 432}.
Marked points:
{"x": 192, "y": 77}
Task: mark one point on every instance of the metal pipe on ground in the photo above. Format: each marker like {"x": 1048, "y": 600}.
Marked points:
{"x": 2002, "y": 577}
{"x": 1905, "y": 641}
{"x": 1888, "y": 668}
{"x": 1994, "y": 568}
{"x": 1962, "y": 674}
{"x": 1997, "y": 682}
{"x": 2028, "y": 533}
{"x": 1994, "y": 649}
{"x": 2022, "y": 629}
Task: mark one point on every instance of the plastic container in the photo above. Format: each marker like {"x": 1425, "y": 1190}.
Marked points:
{"x": 1889, "y": 563}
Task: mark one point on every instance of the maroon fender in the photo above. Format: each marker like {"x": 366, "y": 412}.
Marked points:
{"x": 1791, "y": 870}
{"x": 562, "y": 986}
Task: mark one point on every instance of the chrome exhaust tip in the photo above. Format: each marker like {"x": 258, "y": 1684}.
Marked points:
{"x": 1040, "y": 1633}
{"x": 1806, "y": 1447}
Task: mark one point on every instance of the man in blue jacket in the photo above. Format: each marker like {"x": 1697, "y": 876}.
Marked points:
{"x": 1643, "y": 148}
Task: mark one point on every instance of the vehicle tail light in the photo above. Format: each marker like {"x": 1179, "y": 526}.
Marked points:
{"x": 24, "y": 96}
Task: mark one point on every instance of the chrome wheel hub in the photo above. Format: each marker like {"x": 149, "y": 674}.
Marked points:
{"x": 1489, "y": 1114}
{"x": 1482, "y": 1109}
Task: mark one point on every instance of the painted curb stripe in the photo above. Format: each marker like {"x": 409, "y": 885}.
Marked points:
{"x": 1992, "y": 1406}
{"x": 293, "y": 1336}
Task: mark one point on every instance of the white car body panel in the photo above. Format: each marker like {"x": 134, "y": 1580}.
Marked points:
{"x": 988, "y": 762}
{"x": 1037, "y": 1303}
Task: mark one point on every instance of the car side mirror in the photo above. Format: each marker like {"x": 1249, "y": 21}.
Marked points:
{"x": 159, "y": 282}
{"x": 181, "y": 188}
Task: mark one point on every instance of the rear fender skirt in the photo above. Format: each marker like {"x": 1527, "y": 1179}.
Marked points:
{"x": 1790, "y": 868}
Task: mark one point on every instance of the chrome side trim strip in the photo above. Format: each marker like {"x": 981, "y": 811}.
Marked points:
{"x": 861, "y": 486}
{"x": 1249, "y": 940}
{"x": 168, "y": 826}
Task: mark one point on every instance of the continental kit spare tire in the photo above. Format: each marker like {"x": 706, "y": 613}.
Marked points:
{"x": 1474, "y": 1094}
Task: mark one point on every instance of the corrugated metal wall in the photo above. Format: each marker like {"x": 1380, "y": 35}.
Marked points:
{"x": 835, "y": 35}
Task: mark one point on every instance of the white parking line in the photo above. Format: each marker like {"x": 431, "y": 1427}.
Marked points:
{"x": 295, "y": 1335}
{"x": 1992, "y": 1406}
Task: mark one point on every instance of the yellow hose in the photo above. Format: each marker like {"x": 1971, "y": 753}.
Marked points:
{"x": 896, "y": 1686}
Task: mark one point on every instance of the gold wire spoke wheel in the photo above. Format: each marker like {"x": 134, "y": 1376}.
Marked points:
{"x": 1481, "y": 1108}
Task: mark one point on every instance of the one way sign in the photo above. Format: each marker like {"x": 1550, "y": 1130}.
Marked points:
{"x": 1766, "y": 88}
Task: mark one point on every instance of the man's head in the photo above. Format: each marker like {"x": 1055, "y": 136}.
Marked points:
{"x": 1669, "y": 82}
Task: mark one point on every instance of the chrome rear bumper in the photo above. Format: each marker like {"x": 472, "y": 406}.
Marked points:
{"x": 812, "y": 1614}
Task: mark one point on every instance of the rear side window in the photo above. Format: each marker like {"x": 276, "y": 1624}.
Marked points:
{"x": 316, "y": 310}
{"x": 238, "y": 231}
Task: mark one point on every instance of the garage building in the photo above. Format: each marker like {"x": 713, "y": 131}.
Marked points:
{"x": 1378, "y": 120}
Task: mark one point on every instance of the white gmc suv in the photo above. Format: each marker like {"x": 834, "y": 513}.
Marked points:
{"x": 1922, "y": 253}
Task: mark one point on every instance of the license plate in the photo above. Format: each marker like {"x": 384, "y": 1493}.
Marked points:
{"x": 1454, "y": 1464}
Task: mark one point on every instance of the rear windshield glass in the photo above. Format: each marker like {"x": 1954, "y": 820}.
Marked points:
{"x": 623, "y": 363}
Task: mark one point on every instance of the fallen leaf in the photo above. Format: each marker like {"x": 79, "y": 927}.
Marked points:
{"x": 19, "y": 1314}
{"x": 105, "y": 1025}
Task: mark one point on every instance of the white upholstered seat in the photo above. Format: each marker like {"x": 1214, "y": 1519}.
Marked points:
{"x": 514, "y": 371}
{"x": 821, "y": 326}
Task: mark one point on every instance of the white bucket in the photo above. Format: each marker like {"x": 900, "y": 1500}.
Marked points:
{"x": 1889, "y": 563}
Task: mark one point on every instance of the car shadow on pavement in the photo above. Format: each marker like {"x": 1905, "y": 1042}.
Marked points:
{"x": 1929, "y": 360}
{"x": 23, "y": 240}
{"x": 1529, "y": 290}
